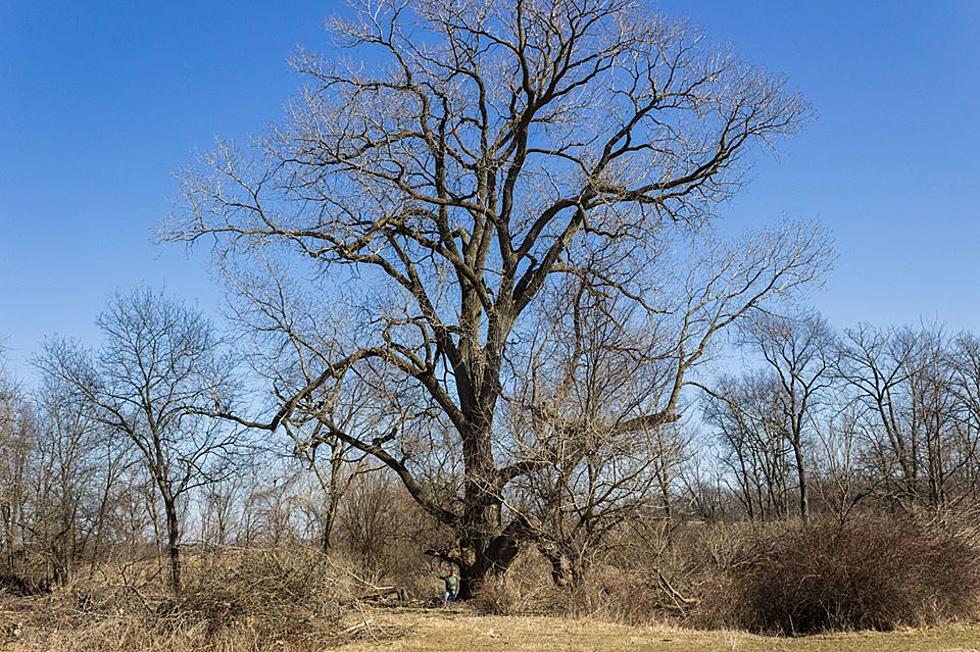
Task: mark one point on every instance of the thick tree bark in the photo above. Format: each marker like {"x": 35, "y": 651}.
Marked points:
{"x": 487, "y": 548}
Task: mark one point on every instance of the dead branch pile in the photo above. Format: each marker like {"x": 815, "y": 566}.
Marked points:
{"x": 257, "y": 599}
{"x": 278, "y": 594}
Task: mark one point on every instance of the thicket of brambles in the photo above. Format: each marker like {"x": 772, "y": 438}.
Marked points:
{"x": 480, "y": 320}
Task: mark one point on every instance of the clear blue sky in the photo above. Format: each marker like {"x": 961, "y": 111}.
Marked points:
{"x": 100, "y": 102}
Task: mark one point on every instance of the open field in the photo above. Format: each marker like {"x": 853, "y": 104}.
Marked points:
{"x": 455, "y": 631}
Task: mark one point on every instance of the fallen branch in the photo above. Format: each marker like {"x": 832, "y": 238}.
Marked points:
{"x": 680, "y": 602}
{"x": 358, "y": 628}
{"x": 385, "y": 591}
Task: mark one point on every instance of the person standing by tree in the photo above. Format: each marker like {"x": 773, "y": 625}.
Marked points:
{"x": 452, "y": 587}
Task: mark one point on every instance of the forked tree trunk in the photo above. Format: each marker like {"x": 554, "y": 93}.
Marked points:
{"x": 493, "y": 560}
{"x": 568, "y": 569}
{"x": 488, "y": 548}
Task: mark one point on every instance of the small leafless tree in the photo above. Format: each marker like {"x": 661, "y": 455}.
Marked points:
{"x": 843, "y": 479}
{"x": 77, "y": 464}
{"x": 965, "y": 384}
{"x": 334, "y": 465}
{"x": 220, "y": 510}
{"x": 702, "y": 480}
{"x": 915, "y": 387}
{"x": 159, "y": 370}
{"x": 799, "y": 352}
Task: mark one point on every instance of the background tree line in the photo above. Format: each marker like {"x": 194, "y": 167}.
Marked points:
{"x": 118, "y": 458}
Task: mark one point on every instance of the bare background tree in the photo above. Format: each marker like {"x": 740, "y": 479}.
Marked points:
{"x": 159, "y": 371}
{"x": 16, "y": 422}
{"x": 799, "y": 352}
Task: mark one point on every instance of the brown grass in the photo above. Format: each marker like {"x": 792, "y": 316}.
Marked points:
{"x": 455, "y": 630}
{"x": 296, "y": 600}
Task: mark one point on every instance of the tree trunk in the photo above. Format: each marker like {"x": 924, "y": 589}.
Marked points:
{"x": 333, "y": 503}
{"x": 486, "y": 549}
{"x": 801, "y": 477}
{"x": 495, "y": 562}
{"x": 173, "y": 545}
{"x": 565, "y": 570}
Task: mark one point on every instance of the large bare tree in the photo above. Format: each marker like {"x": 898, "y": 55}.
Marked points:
{"x": 450, "y": 162}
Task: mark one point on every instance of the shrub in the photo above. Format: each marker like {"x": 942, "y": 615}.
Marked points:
{"x": 870, "y": 574}
{"x": 526, "y": 589}
{"x": 607, "y": 593}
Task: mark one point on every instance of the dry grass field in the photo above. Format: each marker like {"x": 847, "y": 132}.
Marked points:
{"x": 435, "y": 631}
{"x": 296, "y": 600}
{"x": 458, "y": 630}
